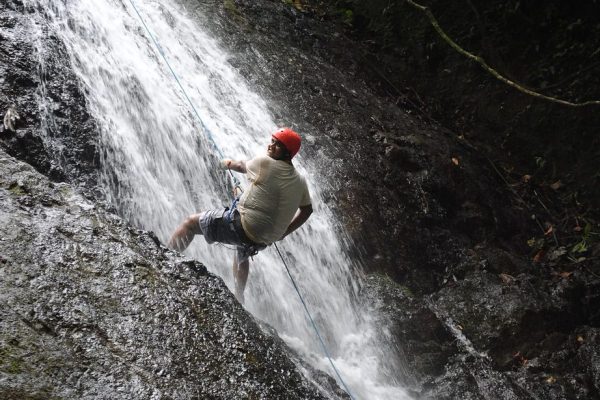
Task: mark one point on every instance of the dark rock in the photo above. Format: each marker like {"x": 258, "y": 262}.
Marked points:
{"x": 426, "y": 343}
{"x": 58, "y": 139}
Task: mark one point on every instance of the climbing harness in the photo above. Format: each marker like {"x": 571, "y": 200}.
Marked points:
{"x": 232, "y": 209}
{"x": 236, "y": 184}
{"x": 250, "y": 249}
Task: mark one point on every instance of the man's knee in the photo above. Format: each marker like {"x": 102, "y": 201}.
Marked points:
{"x": 192, "y": 224}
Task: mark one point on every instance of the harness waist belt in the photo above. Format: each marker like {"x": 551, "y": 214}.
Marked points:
{"x": 236, "y": 223}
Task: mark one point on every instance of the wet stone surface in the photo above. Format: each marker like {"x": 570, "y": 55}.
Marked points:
{"x": 55, "y": 133}
{"x": 91, "y": 308}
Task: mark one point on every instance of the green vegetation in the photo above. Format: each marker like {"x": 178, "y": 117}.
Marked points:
{"x": 250, "y": 358}
{"x": 234, "y": 11}
{"x": 384, "y": 280}
{"x": 22, "y": 394}
{"x": 10, "y": 363}
{"x": 17, "y": 189}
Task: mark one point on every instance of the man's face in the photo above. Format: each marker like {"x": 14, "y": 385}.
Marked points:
{"x": 276, "y": 149}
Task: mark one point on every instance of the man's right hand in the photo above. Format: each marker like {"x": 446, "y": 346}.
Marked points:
{"x": 237, "y": 166}
{"x": 226, "y": 163}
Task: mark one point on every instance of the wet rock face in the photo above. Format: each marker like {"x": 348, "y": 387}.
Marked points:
{"x": 91, "y": 308}
{"x": 426, "y": 343}
{"x": 535, "y": 335}
{"x": 492, "y": 335}
{"x": 55, "y": 134}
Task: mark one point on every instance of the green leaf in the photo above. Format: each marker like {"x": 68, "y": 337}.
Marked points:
{"x": 556, "y": 253}
{"x": 587, "y": 230}
{"x": 580, "y": 247}
{"x": 540, "y": 162}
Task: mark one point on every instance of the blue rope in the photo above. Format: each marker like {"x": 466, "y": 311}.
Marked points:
{"x": 209, "y": 134}
{"x": 314, "y": 325}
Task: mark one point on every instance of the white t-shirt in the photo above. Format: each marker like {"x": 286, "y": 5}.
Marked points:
{"x": 276, "y": 192}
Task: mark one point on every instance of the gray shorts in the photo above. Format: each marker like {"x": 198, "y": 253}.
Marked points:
{"x": 225, "y": 226}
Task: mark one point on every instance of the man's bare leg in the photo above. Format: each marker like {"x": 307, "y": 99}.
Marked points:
{"x": 240, "y": 277}
{"x": 184, "y": 234}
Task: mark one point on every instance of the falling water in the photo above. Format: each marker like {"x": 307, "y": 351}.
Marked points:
{"x": 160, "y": 163}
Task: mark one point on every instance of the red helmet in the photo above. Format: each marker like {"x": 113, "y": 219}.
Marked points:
{"x": 290, "y": 139}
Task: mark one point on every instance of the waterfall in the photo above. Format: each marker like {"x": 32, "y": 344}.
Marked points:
{"x": 159, "y": 164}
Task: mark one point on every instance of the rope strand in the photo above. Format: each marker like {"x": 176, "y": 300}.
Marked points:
{"x": 314, "y": 325}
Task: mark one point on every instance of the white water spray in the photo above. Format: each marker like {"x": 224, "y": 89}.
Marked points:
{"x": 159, "y": 166}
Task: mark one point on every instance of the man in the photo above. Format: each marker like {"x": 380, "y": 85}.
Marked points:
{"x": 276, "y": 203}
